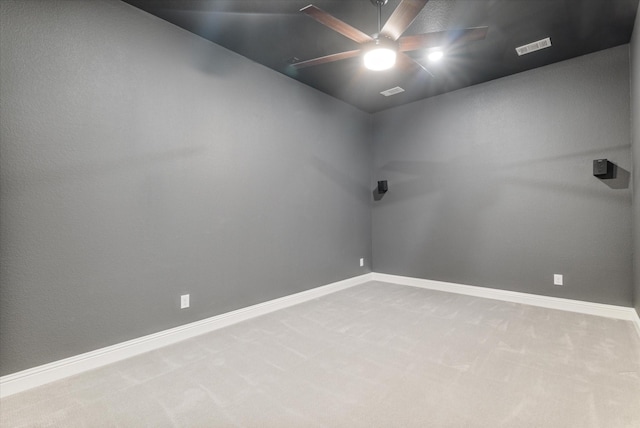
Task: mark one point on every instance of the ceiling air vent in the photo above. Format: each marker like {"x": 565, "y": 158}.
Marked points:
{"x": 535, "y": 46}
{"x": 392, "y": 91}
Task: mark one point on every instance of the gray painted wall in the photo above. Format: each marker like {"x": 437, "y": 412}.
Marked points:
{"x": 140, "y": 162}
{"x": 635, "y": 133}
{"x": 492, "y": 185}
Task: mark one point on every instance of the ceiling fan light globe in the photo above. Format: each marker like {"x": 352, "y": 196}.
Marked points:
{"x": 435, "y": 56}
{"x": 380, "y": 59}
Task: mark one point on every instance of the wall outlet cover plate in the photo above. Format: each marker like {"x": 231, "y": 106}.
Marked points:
{"x": 184, "y": 301}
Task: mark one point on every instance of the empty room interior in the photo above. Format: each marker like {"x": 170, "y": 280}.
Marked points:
{"x": 362, "y": 213}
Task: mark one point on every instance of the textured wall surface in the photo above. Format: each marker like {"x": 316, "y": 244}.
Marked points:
{"x": 635, "y": 134}
{"x": 492, "y": 185}
{"x": 140, "y": 162}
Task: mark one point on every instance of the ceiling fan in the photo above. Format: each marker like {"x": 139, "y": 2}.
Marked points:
{"x": 381, "y": 51}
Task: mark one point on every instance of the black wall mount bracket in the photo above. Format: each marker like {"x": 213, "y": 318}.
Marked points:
{"x": 603, "y": 169}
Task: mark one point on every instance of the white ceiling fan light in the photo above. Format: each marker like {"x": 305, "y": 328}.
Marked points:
{"x": 380, "y": 59}
{"x": 382, "y": 56}
{"x": 435, "y": 55}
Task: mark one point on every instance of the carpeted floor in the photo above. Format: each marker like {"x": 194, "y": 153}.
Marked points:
{"x": 375, "y": 355}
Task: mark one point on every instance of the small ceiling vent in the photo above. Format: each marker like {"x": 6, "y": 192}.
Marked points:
{"x": 535, "y": 46}
{"x": 392, "y": 91}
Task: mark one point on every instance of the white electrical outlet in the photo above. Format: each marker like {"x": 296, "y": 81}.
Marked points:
{"x": 184, "y": 301}
{"x": 557, "y": 279}
{"x": 361, "y": 262}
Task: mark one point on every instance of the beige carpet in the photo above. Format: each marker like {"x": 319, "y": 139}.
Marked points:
{"x": 375, "y": 355}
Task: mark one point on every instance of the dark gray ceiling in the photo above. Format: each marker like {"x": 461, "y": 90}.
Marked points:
{"x": 272, "y": 32}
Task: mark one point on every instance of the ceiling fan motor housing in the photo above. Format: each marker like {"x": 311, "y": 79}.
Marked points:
{"x": 381, "y": 42}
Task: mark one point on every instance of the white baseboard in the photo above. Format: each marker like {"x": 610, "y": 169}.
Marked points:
{"x": 599, "y": 309}
{"x": 636, "y": 321}
{"x": 37, "y": 376}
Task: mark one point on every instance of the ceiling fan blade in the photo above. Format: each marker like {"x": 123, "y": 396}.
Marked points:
{"x": 326, "y": 59}
{"x": 335, "y": 24}
{"x": 408, "y": 64}
{"x": 441, "y": 38}
{"x": 402, "y": 17}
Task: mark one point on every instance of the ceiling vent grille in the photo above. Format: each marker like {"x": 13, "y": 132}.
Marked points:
{"x": 392, "y": 91}
{"x": 535, "y": 46}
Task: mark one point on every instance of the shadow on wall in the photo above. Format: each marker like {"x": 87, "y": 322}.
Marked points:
{"x": 415, "y": 179}
{"x": 620, "y": 178}
{"x": 213, "y": 65}
{"x": 73, "y": 172}
{"x": 377, "y": 196}
{"x": 341, "y": 179}
{"x": 411, "y": 179}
